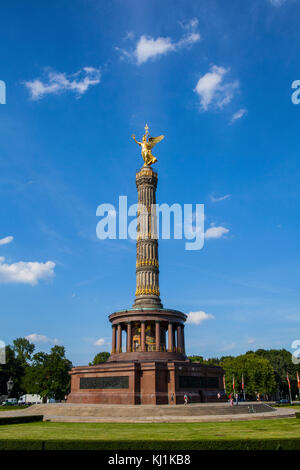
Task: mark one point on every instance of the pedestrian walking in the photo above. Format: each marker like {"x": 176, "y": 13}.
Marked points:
{"x": 185, "y": 398}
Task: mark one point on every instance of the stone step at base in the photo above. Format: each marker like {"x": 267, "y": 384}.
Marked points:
{"x": 171, "y": 419}
{"x": 123, "y": 411}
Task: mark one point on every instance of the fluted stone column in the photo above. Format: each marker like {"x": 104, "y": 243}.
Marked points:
{"x": 179, "y": 338}
{"x": 183, "y": 339}
{"x": 119, "y": 338}
{"x": 147, "y": 273}
{"x": 143, "y": 336}
{"x": 113, "y": 342}
{"x": 170, "y": 337}
{"x": 157, "y": 336}
{"x": 174, "y": 338}
{"x": 129, "y": 337}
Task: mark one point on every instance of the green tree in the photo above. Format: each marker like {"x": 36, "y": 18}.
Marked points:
{"x": 196, "y": 359}
{"x": 281, "y": 361}
{"x": 212, "y": 361}
{"x": 100, "y": 357}
{"x": 23, "y": 350}
{"x": 258, "y": 374}
{"x": 48, "y": 375}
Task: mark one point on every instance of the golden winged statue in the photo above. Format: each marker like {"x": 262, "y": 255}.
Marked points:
{"x": 147, "y": 145}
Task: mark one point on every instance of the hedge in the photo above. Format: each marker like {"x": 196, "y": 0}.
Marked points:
{"x": 236, "y": 444}
{"x": 20, "y": 419}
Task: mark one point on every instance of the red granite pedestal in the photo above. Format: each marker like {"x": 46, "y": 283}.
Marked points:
{"x": 146, "y": 383}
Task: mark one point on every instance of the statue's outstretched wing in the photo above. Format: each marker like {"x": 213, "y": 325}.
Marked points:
{"x": 154, "y": 140}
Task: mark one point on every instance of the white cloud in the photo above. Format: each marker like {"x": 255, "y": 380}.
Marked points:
{"x": 148, "y": 47}
{"x": 251, "y": 341}
{"x": 196, "y": 318}
{"x": 6, "y": 240}
{"x": 59, "y": 82}
{"x": 129, "y": 35}
{"x": 25, "y": 272}
{"x": 228, "y": 347}
{"x": 100, "y": 342}
{"x": 239, "y": 114}
{"x": 277, "y": 3}
{"x": 35, "y": 338}
{"x": 221, "y": 198}
{"x": 212, "y": 90}
{"x": 215, "y": 232}
{"x": 191, "y": 25}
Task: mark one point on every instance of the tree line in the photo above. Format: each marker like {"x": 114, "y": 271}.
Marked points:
{"x": 43, "y": 374}
{"x": 264, "y": 372}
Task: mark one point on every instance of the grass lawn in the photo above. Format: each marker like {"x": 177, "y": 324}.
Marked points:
{"x": 287, "y": 406}
{"x": 260, "y": 434}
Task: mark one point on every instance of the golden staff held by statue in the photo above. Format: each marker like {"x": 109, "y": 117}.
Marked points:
{"x": 147, "y": 145}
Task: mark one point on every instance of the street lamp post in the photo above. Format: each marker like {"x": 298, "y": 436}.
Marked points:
{"x": 9, "y": 384}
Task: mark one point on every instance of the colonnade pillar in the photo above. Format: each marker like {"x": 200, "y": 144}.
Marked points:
{"x": 175, "y": 337}
{"x": 129, "y": 337}
{"x": 119, "y": 338}
{"x": 113, "y": 343}
{"x": 170, "y": 337}
{"x": 179, "y": 338}
{"x": 143, "y": 336}
{"x": 183, "y": 339}
{"x": 157, "y": 336}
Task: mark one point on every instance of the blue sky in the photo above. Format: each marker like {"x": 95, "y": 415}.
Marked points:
{"x": 214, "y": 77}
